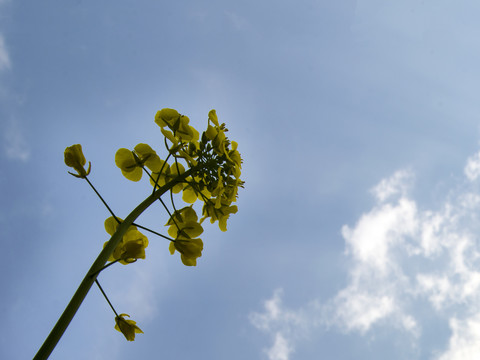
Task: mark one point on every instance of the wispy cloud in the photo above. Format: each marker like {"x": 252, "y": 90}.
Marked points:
{"x": 15, "y": 145}
{"x": 398, "y": 184}
{"x": 403, "y": 255}
{"x": 280, "y": 349}
{"x": 472, "y": 169}
{"x": 283, "y": 325}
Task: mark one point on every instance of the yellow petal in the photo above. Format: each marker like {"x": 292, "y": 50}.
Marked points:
{"x": 177, "y": 188}
{"x": 154, "y": 163}
{"x": 176, "y": 169}
{"x": 222, "y": 224}
{"x": 211, "y": 132}
{"x": 127, "y": 327}
{"x": 171, "y": 248}
{"x": 189, "y": 195}
{"x": 212, "y": 116}
{"x": 125, "y": 160}
{"x": 188, "y": 261}
{"x": 189, "y": 214}
{"x": 169, "y": 135}
{"x": 190, "y": 250}
{"x": 111, "y": 225}
{"x": 166, "y": 117}
{"x": 144, "y": 150}
{"x": 134, "y": 175}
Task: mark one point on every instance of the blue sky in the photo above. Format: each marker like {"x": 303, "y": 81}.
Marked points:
{"x": 357, "y": 231}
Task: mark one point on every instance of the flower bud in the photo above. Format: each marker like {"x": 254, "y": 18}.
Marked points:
{"x": 74, "y": 158}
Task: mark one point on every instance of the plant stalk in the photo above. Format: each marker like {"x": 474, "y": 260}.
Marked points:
{"x": 82, "y": 291}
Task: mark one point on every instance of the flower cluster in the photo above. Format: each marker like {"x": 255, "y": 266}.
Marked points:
{"x": 222, "y": 179}
{"x": 214, "y": 166}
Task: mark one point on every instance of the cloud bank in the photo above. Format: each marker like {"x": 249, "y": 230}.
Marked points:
{"x": 402, "y": 256}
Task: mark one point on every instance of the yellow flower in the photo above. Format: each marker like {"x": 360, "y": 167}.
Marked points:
{"x": 127, "y": 327}
{"x": 178, "y": 124}
{"x": 111, "y": 225}
{"x": 130, "y": 167}
{"x": 184, "y": 224}
{"x": 217, "y": 133}
{"x": 175, "y": 170}
{"x": 186, "y": 132}
{"x": 166, "y": 117}
{"x": 189, "y": 249}
{"x": 74, "y": 158}
{"x": 234, "y": 156}
{"x": 232, "y": 190}
{"x": 189, "y": 153}
{"x": 169, "y": 135}
{"x": 211, "y": 132}
{"x": 215, "y": 213}
{"x": 219, "y": 190}
{"x": 160, "y": 178}
{"x": 148, "y": 157}
{"x": 132, "y": 246}
{"x": 212, "y": 116}
{"x": 220, "y": 141}
{"x": 191, "y": 191}
{"x": 189, "y": 194}
{"x": 184, "y": 227}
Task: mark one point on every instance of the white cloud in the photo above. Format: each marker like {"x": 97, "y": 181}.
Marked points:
{"x": 283, "y": 325}
{"x": 403, "y": 256}
{"x": 378, "y": 231}
{"x": 436, "y": 287}
{"x": 410, "y": 324}
{"x": 15, "y": 145}
{"x": 464, "y": 343}
{"x": 281, "y": 348}
{"x": 395, "y": 234}
{"x": 397, "y": 184}
{"x": 4, "y": 57}
{"x": 472, "y": 169}
{"x": 356, "y": 310}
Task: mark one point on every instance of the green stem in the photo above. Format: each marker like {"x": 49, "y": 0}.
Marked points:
{"x": 169, "y": 213}
{"x": 160, "y": 172}
{"x": 152, "y": 231}
{"x": 82, "y": 291}
{"x": 106, "y": 297}
{"x": 101, "y": 198}
{"x": 106, "y": 266}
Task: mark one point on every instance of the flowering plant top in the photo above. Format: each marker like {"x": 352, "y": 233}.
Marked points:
{"x": 202, "y": 168}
